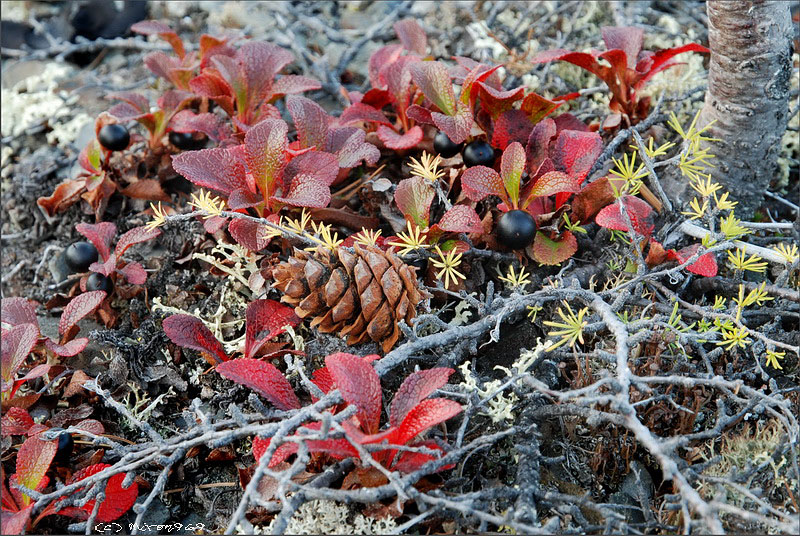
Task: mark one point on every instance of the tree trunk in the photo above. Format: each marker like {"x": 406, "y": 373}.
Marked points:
{"x": 748, "y": 93}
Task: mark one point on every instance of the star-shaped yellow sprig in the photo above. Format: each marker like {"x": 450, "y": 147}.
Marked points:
{"x": 448, "y": 262}
{"x": 414, "y": 240}
{"x": 367, "y": 237}
{"x": 159, "y": 217}
{"x": 427, "y": 167}
{"x": 514, "y": 280}
{"x": 208, "y": 203}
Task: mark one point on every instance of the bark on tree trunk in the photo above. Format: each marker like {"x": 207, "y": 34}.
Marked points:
{"x": 748, "y": 93}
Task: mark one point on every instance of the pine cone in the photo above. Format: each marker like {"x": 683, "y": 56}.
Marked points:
{"x": 359, "y": 295}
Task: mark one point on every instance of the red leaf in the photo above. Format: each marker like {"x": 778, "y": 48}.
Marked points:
{"x": 149, "y": 189}
{"x": 16, "y": 311}
{"x": 378, "y": 60}
{"x": 209, "y": 124}
{"x": 80, "y": 306}
{"x": 118, "y": 499}
{"x": 654, "y": 63}
{"x": 408, "y": 462}
{"x": 538, "y": 147}
{"x": 166, "y": 67}
{"x": 217, "y": 169}
{"x": 424, "y": 415}
{"x": 457, "y": 126}
{"x": 262, "y": 377}
{"x": 359, "y": 385}
{"x": 134, "y": 236}
{"x": 100, "y": 235}
{"x": 433, "y": 80}
{"x": 581, "y": 59}
{"x": 15, "y": 421}
{"x": 92, "y": 426}
{"x": 154, "y": 27}
{"x": 413, "y": 197}
{"x": 362, "y": 112}
{"x": 306, "y": 191}
{"x": 575, "y": 152}
{"x": 261, "y": 444}
{"x": 291, "y": 84}
{"x": 626, "y": 38}
{"x": 90, "y": 157}
{"x": 310, "y": 121}
{"x": 137, "y": 102}
{"x": 497, "y": 101}
{"x": 512, "y": 165}
{"x": 393, "y": 140}
{"x": 398, "y": 83}
{"x": 17, "y": 344}
{"x": 411, "y": 35}
{"x": 419, "y": 114}
{"x": 480, "y": 181}
{"x": 591, "y": 199}
{"x": 640, "y": 213}
{"x": 134, "y": 273}
{"x": 350, "y": 147}
{"x": 266, "y": 145}
{"x": 33, "y": 460}
{"x": 249, "y": 234}
{"x": 260, "y": 62}
{"x": 266, "y": 319}
{"x": 190, "y": 332}
{"x": 461, "y": 219}
{"x": 323, "y": 166}
{"x": 550, "y": 252}
{"x": 15, "y": 522}
{"x": 69, "y": 349}
{"x": 322, "y": 378}
{"x": 511, "y": 126}
{"x": 415, "y": 388}
{"x": 705, "y": 265}
{"x": 554, "y": 182}
{"x": 538, "y": 107}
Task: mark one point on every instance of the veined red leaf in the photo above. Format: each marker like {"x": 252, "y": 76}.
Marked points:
{"x": 33, "y": 460}
{"x": 190, "y": 332}
{"x": 249, "y": 234}
{"x": 350, "y": 147}
{"x": 511, "y": 126}
{"x": 629, "y": 39}
{"x": 399, "y": 142}
{"x": 266, "y": 145}
{"x": 134, "y": 236}
{"x": 261, "y": 444}
{"x": 290, "y": 84}
{"x": 705, "y": 265}
{"x": 90, "y": 157}
{"x": 16, "y": 311}
{"x": 262, "y": 377}
{"x": 266, "y": 319}
{"x": 362, "y": 112}
{"x": 359, "y": 385}
{"x": 306, "y": 191}
{"x": 537, "y": 107}
{"x": 415, "y": 388}
{"x": 512, "y": 165}
{"x": 80, "y": 306}
{"x": 480, "y": 181}
{"x": 378, "y": 60}
{"x": 411, "y": 35}
{"x": 310, "y": 121}
{"x": 640, "y": 213}
{"x": 549, "y": 252}
{"x": 118, "y": 499}
{"x": 209, "y": 124}
{"x": 138, "y": 102}
{"x": 461, "y": 219}
{"x": 217, "y": 169}
{"x": 134, "y": 273}
{"x": 68, "y": 349}
{"x": 166, "y": 67}
{"x": 581, "y": 59}
{"x": 408, "y": 462}
{"x": 413, "y": 197}
{"x": 424, "y": 415}
{"x": 154, "y": 27}
{"x": 554, "y": 182}
{"x": 497, "y": 101}
{"x": 100, "y": 235}
{"x": 538, "y": 147}
{"x": 17, "y": 344}
{"x": 321, "y": 165}
{"x": 398, "y": 82}
{"x": 457, "y": 125}
{"x": 469, "y": 93}
{"x": 575, "y": 152}
{"x": 15, "y": 421}
{"x": 419, "y": 114}
{"x": 12, "y": 522}
{"x": 433, "y": 80}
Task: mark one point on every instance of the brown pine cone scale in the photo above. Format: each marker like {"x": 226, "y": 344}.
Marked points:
{"x": 357, "y": 295}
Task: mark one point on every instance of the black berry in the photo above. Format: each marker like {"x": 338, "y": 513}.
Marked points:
{"x": 114, "y": 137}
{"x": 186, "y": 141}
{"x": 444, "y": 147}
{"x": 65, "y": 446}
{"x": 79, "y": 256}
{"x": 99, "y": 282}
{"x": 478, "y": 153}
{"x": 515, "y": 229}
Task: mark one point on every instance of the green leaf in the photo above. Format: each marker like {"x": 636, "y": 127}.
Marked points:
{"x": 414, "y": 197}
{"x": 433, "y": 80}
{"x": 511, "y": 167}
{"x": 550, "y": 252}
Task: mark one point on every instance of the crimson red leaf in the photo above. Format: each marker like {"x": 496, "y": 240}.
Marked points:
{"x": 461, "y": 219}
{"x": 17, "y": 344}
{"x": 581, "y": 59}
{"x": 15, "y": 421}
{"x": 263, "y": 378}
{"x": 134, "y": 273}
{"x": 118, "y": 499}
{"x": 408, "y": 462}
{"x": 138, "y": 103}
{"x": 190, "y": 332}
{"x": 166, "y": 67}
{"x": 497, "y": 101}
{"x": 16, "y": 311}
{"x": 457, "y": 125}
{"x": 640, "y": 213}
{"x": 551, "y": 252}
{"x": 80, "y": 306}
{"x": 33, "y": 460}
{"x": 419, "y": 114}
{"x": 359, "y": 385}
{"x": 537, "y": 107}
{"x": 538, "y": 147}
{"x": 100, "y": 235}
{"x": 654, "y": 63}
{"x": 218, "y": 169}
{"x": 480, "y": 181}
{"x": 511, "y": 126}
{"x": 378, "y": 60}
{"x": 393, "y": 140}
{"x": 261, "y": 444}
{"x": 705, "y": 265}
{"x": 424, "y": 415}
{"x": 629, "y": 39}
{"x": 15, "y": 522}
{"x": 554, "y": 182}
{"x": 291, "y": 84}
{"x": 134, "y": 236}
{"x": 249, "y": 234}
{"x": 322, "y": 378}
{"x": 362, "y": 112}
{"x": 350, "y": 147}
{"x": 415, "y": 388}
{"x": 433, "y": 80}
{"x": 306, "y": 191}
{"x": 323, "y": 166}
{"x": 209, "y": 124}
{"x": 575, "y": 152}
{"x": 398, "y": 82}
{"x": 69, "y": 349}
{"x": 266, "y": 319}
{"x": 92, "y": 426}
{"x": 266, "y": 145}
{"x": 310, "y": 121}
{"x": 411, "y": 35}
{"x": 413, "y": 197}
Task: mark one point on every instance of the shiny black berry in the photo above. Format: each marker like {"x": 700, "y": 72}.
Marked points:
{"x": 444, "y": 147}
{"x": 65, "y": 446}
{"x": 79, "y": 256}
{"x": 114, "y": 137}
{"x": 478, "y": 153}
{"x": 99, "y": 282}
{"x": 186, "y": 141}
{"x": 515, "y": 229}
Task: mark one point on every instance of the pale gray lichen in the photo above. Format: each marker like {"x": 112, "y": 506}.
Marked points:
{"x": 329, "y": 517}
